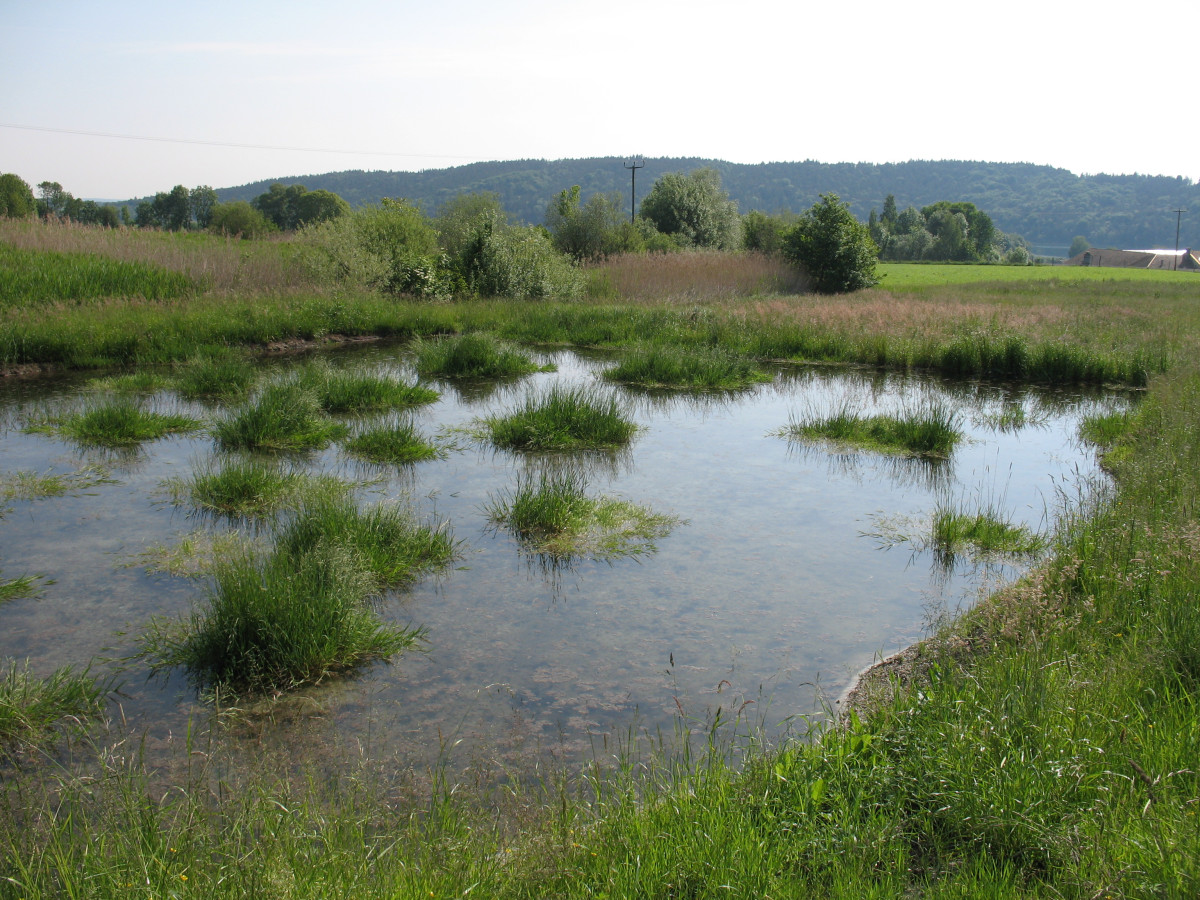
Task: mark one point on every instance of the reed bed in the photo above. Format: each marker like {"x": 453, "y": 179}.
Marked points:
{"x": 38, "y": 278}
{"x": 562, "y": 419}
{"x": 218, "y": 264}
{"x": 696, "y": 276}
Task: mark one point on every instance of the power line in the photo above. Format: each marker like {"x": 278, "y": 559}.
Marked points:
{"x": 167, "y": 140}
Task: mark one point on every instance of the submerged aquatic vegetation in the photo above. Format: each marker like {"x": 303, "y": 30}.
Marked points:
{"x": 930, "y": 429}
{"x": 116, "y": 423}
{"x": 348, "y": 391}
{"x": 399, "y": 444}
{"x": 21, "y": 586}
{"x": 702, "y": 368}
{"x": 386, "y": 539}
{"x": 274, "y": 623}
{"x": 563, "y": 418}
{"x": 472, "y": 355}
{"x": 32, "y": 708}
{"x": 26, "y": 485}
{"x": 553, "y": 514}
{"x": 195, "y": 554}
{"x": 284, "y": 416}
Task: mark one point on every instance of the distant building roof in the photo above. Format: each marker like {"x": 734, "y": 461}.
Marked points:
{"x": 1136, "y": 259}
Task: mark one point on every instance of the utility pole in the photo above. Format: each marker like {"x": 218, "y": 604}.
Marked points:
{"x": 1178, "y": 218}
{"x": 633, "y": 167}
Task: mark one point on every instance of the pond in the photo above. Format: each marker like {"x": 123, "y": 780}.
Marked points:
{"x": 769, "y": 595}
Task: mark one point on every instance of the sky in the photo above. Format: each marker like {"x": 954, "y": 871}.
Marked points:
{"x": 116, "y": 99}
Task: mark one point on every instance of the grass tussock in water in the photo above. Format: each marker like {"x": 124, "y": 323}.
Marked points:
{"x": 352, "y": 391}
{"x": 284, "y": 416}
{"x": 472, "y": 355}
{"x": 33, "y": 709}
{"x": 215, "y": 376}
{"x": 249, "y": 488}
{"x": 398, "y": 444}
{"x": 665, "y": 366}
{"x": 272, "y": 624}
{"x": 122, "y": 422}
{"x": 386, "y": 539}
{"x": 563, "y": 419}
{"x": 957, "y": 531}
{"x": 553, "y": 514}
{"x": 928, "y": 430}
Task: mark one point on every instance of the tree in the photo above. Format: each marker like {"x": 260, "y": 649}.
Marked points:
{"x": 16, "y": 197}
{"x": 201, "y": 201}
{"x": 833, "y": 247}
{"x": 53, "y": 200}
{"x": 174, "y": 208}
{"x": 763, "y": 233}
{"x": 979, "y": 232}
{"x": 279, "y": 204}
{"x": 1078, "y": 245}
{"x": 319, "y": 206}
{"x": 238, "y": 219}
{"x": 589, "y": 231}
{"x": 694, "y": 209}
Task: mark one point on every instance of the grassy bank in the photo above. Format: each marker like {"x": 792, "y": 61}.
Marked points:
{"x": 1041, "y": 324}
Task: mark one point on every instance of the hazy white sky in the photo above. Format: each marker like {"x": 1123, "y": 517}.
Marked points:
{"x": 120, "y": 99}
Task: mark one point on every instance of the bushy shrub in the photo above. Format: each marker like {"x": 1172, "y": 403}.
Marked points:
{"x": 239, "y": 219}
{"x": 391, "y": 247}
{"x": 833, "y": 247}
{"x": 520, "y": 263}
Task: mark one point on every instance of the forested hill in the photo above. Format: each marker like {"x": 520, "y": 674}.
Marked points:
{"x": 1045, "y": 205}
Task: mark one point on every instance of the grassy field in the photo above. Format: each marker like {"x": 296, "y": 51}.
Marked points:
{"x": 1042, "y": 745}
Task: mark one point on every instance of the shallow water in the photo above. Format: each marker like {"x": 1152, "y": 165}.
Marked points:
{"x": 772, "y": 590}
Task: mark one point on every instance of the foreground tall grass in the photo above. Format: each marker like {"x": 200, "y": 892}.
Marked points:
{"x": 34, "y": 710}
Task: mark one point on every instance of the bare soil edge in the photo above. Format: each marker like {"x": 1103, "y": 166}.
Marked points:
{"x": 1009, "y": 617}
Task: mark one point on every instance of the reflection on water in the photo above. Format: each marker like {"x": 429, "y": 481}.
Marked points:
{"x": 769, "y": 588}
